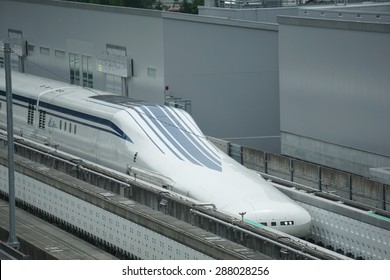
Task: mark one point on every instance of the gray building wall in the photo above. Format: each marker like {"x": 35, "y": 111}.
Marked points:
{"x": 228, "y": 69}
{"x": 334, "y": 92}
{"x": 268, "y": 15}
{"x": 86, "y": 30}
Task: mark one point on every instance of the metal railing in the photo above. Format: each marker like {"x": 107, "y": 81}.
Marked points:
{"x": 319, "y": 178}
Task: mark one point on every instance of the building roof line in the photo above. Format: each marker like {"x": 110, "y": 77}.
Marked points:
{"x": 90, "y": 6}
{"x": 334, "y": 24}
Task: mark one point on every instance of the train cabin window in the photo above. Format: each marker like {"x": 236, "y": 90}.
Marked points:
{"x": 287, "y": 223}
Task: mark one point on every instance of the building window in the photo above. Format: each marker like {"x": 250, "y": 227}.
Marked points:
{"x": 59, "y": 54}
{"x": 16, "y": 36}
{"x": 152, "y": 72}
{"x": 74, "y": 67}
{"x": 44, "y": 51}
{"x": 115, "y": 76}
{"x": 1, "y": 61}
{"x": 87, "y": 71}
{"x": 30, "y": 48}
{"x": 114, "y": 84}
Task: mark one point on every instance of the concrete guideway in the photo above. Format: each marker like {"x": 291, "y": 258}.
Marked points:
{"x": 114, "y": 212}
{"x": 41, "y": 240}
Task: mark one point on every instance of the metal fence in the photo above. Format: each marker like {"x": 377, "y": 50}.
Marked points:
{"x": 319, "y": 178}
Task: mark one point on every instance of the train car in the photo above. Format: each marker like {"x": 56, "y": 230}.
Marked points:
{"x": 123, "y": 134}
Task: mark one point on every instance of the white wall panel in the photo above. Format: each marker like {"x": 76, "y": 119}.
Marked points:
{"x": 111, "y": 228}
{"x": 353, "y": 236}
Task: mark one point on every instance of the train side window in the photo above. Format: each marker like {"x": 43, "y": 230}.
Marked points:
{"x": 30, "y": 115}
{"x": 60, "y": 124}
{"x": 70, "y": 127}
{"x": 42, "y": 119}
{"x": 74, "y": 129}
{"x": 273, "y": 224}
{"x": 65, "y": 125}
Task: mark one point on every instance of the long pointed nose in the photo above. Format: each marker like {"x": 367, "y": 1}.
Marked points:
{"x": 288, "y": 218}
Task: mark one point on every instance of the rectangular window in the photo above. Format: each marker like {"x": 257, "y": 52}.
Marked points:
{"x": 1, "y": 61}
{"x": 30, "y": 48}
{"x": 16, "y": 56}
{"x": 114, "y": 84}
{"x": 116, "y": 50}
{"x": 152, "y": 72}
{"x": 30, "y": 114}
{"x": 74, "y": 67}
{"x": 42, "y": 119}
{"x": 87, "y": 71}
{"x": 44, "y": 51}
{"x": 59, "y": 54}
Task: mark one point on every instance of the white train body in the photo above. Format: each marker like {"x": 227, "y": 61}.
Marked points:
{"x": 121, "y": 133}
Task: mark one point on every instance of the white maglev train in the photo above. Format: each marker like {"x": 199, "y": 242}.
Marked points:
{"x": 122, "y": 133}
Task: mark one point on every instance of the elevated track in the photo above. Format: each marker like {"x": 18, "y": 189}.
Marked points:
{"x": 256, "y": 242}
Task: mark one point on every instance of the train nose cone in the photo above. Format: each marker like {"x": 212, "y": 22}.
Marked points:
{"x": 288, "y": 218}
{"x": 302, "y": 223}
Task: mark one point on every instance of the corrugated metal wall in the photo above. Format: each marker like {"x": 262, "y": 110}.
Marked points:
{"x": 334, "y": 81}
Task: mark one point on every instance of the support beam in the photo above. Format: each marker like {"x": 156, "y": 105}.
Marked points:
{"x": 12, "y": 240}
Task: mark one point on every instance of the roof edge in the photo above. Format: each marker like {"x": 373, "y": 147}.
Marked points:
{"x": 334, "y": 24}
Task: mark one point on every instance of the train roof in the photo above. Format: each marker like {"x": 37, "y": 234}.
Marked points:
{"x": 121, "y": 100}
{"x": 33, "y": 86}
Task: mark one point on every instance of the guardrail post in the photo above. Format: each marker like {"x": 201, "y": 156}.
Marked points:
{"x": 291, "y": 170}
{"x": 350, "y": 186}
{"x": 384, "y": 196}
{"x": 319, "y": 172}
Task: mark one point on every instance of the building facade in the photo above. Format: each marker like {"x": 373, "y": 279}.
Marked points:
{"x": 334, "y": 86}
{"x": 333, "y": 82}
{"x": 226, "y": 70}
